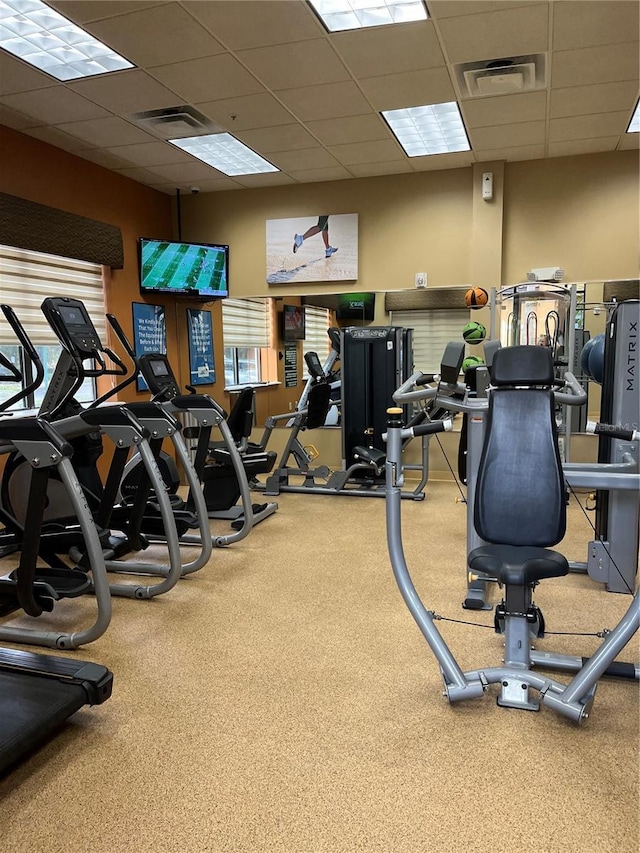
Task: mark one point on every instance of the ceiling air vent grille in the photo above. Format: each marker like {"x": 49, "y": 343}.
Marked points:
{"x": 506, "y": 76}
{"x": 175, "y": 122}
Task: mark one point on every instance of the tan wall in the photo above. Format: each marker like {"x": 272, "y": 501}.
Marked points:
{"x": 406, "y": 223}
{"x": 578, "y": 212}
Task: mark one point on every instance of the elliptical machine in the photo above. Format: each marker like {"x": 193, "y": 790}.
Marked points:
{"x": 80, "y": 342}
{"x": 230, "y": 476}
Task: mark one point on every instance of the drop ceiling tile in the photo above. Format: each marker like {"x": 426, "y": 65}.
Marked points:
{"x": 523, "y": 30}
{"x": 331, "y": 100}
{"x": 149, "y": 154}
{"x": 54, "y": 105}
{"x": 582, "y": 146}
{"x": 255, "y": 23}
{"x": 126, "y": 92}
{"x": 441, "y": 161}
{"x": 607, "y": 64}
{"x": 585, "y": 23}
{"x": 599, "y": 98}
{"x": 339, "y": 131}
{"x": 16, "y": 120}
{"x": 454, "y": 8}
{"x": 215, "y": 185}
{"x": 105, "y": 132}
{"x": 209, "y": 78}
{"x": 629, "y": 142}
{"x": 366, "y": 152}
{"x": 250, "y": 111}
{"x": 413, "y": 89}
{"x": 299, "y": 64}
{"x": 284, "y": 137}
{"x": 171, "y": 35}
{"x": 304, "y": 158}
{"x": 54, "y": 136}
{"x": 143, "y": 176}
{"x": 305, "y": 176}
{"x": 82, "y": 11}
{"x": 520, "y": 152}
{"x": 103, "y": 157}
{"x": 390, "y": 50}
{"x": 17, "y": 76}
{"x": 371, "y": 170}
{"x": 588, "y": 127}
{"x": 506, "y": 109}
{"x": 190, "y": 172}
{"x": 269, "y": 179}
{"x": 507, "y": 136}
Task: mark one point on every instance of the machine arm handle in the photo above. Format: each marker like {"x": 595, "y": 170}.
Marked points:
{"x": 613, "y": 431}
{"x": 575, "y": 395}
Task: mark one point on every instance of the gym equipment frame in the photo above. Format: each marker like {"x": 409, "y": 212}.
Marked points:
{"x": 518, "y": 617}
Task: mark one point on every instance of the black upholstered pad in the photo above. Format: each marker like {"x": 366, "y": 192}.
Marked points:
{"x": 517, "y": 565}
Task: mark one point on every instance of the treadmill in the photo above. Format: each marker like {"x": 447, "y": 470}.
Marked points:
{"x": 38, "y": 693}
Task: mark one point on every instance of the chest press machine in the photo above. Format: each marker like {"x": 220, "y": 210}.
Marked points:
{"x": 519, "y": 514}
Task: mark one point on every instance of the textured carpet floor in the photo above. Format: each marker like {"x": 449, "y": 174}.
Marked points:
{"x": 282, "y": 699}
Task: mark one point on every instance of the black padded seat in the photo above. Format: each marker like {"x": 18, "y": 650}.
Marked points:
{"x": 517, "y": 565}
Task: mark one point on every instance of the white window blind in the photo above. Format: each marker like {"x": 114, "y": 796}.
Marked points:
{"x": 26, "y": 278}
{"x": 432, "y": 331}
{"x": 245, "y": 322}
{"x": 316, "y": 323}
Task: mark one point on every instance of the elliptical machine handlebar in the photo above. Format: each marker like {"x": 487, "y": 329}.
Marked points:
{"x": 17, "y": 375}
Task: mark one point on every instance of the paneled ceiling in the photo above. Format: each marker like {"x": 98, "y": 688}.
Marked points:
{"x": 309, "y": 101}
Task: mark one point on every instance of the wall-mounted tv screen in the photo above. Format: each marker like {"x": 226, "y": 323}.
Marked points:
{"x": 293, "y": 325}
{"x": 356, "y": 306}
{"x": 197, "y": 270}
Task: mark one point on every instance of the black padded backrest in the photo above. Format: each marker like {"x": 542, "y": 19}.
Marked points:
{"x": 318, "y": 403}
{"x": 240, "y": 420}
{"x": 520, "y": 497}
{"x": 522, "y": 365}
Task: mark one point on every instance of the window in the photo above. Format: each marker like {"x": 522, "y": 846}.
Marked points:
{"x": 246, "y": 331}
{"x": 26, "y": 278}
{"x": 315, "y": 337}
{"x": 432, "y": 331}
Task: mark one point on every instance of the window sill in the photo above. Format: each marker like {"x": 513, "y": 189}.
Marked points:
{"x": 231, "y": 389}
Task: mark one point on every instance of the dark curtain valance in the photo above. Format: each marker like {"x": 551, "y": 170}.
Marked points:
{"x": 427, "y": 298}
{"x": 27, "y": 225}
{"x": 620, "y": 291}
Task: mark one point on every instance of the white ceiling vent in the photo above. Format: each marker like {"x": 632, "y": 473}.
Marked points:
{"x": 175, "y": 122}
{"x": 506, "y": 76}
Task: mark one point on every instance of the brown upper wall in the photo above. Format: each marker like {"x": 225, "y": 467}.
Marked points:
{"x": 39, "y": 172}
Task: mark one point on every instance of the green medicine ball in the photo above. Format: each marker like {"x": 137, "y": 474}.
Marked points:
{"x": 474, "y": 333}
{"x": 471, "y": 361}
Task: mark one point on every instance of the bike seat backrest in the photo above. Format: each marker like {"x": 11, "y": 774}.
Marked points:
{"x": 318, "y": 404}
{"x": 240, "y": 420}
{"x": 520, "y": 495}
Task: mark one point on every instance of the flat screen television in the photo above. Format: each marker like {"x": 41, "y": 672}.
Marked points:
{"x": 197, "y": 270}
{"x": 356, "y": 306}
{"x": 293, "y": 325}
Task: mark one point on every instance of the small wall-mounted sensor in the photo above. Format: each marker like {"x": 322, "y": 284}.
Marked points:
{"x": 487, "y": 186}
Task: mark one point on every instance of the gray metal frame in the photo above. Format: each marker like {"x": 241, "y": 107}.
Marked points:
{"x": 36, "y": 454}
{"x": 515, "y": 676}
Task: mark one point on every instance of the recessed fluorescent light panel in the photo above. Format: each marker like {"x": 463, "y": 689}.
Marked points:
{"x": 432, "y": 129}
{"x": 356, "y": 14}
{"x": 634, "y": 124}
{"x": 225, "y": 153}
{"x": 34, "y": 32}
